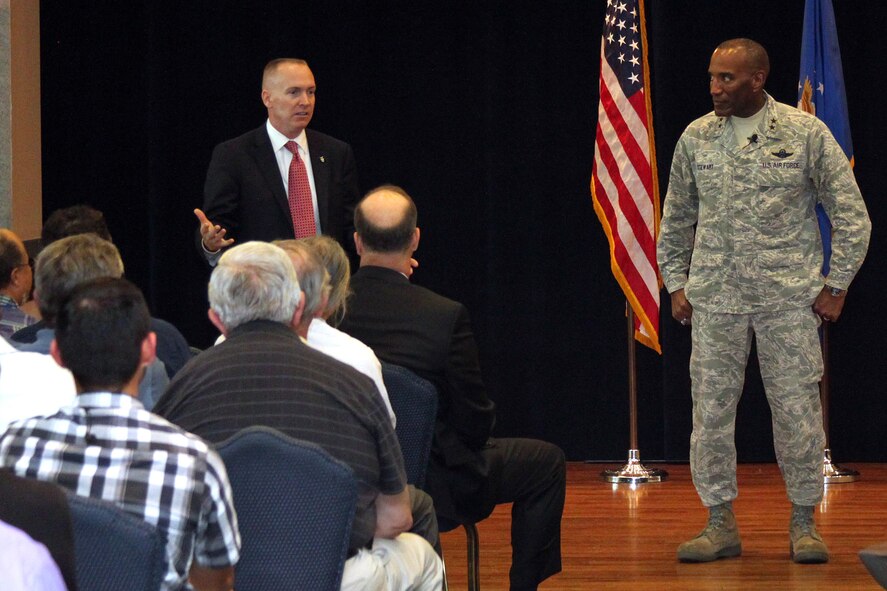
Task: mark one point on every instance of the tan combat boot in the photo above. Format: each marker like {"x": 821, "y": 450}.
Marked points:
{"x": 806, "y": 545}
{"x": 719, "y": 539}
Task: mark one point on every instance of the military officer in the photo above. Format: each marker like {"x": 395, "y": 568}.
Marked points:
{"x": 741, "y": 255}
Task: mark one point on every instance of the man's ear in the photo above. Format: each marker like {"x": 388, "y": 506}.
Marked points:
{"x": 297, "y": 313}
{"x": 266, "y": 98}
{"x": 358, "y": 244}
{"x": 217, "y": 322}
{"x": 55, "y": 353}
{"x": 758, "y": 78}
{"x": 149, "y": 350}
{"x": 414, "y": 243}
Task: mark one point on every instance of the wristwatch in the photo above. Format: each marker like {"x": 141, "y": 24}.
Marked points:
{"x": 835, "y": 291}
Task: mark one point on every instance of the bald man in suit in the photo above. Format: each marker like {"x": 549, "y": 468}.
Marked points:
{"x": 470, "y": 472}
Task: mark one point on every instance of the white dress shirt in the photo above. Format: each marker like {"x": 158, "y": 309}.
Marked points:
{"x": 345, "y": 348}
{"x": 31, "y": 385}
{"x": 285, "y": 157}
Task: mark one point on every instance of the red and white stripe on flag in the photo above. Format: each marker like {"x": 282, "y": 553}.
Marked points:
{"x": 624, "y": 184}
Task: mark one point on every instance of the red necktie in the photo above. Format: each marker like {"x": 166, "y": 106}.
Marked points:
{"x": 301, "y": 204}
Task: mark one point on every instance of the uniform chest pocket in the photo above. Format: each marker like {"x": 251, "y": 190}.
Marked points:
{"x": 783, "y": 166}
{"x": 708, "y": 170}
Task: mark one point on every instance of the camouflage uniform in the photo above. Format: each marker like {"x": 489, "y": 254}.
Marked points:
{"x": 739, "y": 234}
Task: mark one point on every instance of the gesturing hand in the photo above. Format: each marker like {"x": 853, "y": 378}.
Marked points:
{"x": 212, "y": 235}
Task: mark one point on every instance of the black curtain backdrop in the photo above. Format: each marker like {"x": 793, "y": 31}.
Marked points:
{"x": 485, "y": 112}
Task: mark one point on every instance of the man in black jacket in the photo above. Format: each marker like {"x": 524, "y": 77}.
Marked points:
{"x": 407, "y": 325}
{"x": 248, "y": 193}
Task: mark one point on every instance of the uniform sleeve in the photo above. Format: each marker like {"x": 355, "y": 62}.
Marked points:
{"x": 839, "y": 195}
{"x": 680, "y": 213}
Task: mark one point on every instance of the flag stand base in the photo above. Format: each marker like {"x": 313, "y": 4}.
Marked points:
{"x": 834, "y": 474}
{"x": 634, "y": 472}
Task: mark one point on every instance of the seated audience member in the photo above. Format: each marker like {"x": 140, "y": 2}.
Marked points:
{"x": 62, "y": 266}
{"x": 70, "y": 221}
{"x": 470, "y": 472}
{"x": 16, "y": 278}
{"x": 106, "y": 445}
{"x": 25, "y": 564}
{"x": 338, "y": 265}
{"x": 40, "y": 510}
{"x": 263, "y": 374}
{"x": 31, "y": 384}
{"x": 314, "y": 279}
{"x": 172, "y": 348}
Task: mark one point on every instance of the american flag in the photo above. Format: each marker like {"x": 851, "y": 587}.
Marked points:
{"x": 624, "y": 184}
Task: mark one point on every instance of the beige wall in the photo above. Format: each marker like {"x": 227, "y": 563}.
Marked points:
{"x": 20, "y": 159}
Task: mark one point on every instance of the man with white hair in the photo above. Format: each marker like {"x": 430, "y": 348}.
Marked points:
{"x": 263, "y": 374}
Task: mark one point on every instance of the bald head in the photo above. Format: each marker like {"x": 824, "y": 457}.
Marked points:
{"x": 13, "y": 260}
{"x": 273, "y": 67}
{"x": 288, "y": 90}
{"x": 385, "y": 220}
{"x": 753, "y": 53}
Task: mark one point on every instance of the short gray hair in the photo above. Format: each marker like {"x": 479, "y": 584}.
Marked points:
{"x": 313, "y": 276}
{"x": 69, "y": 262}
{"x": 338, "y": 266}
{"x": 254, "y": 281}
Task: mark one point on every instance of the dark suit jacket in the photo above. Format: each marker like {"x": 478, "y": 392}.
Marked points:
{"x": 431, "y": 335}
{"x": 244, "y": 192}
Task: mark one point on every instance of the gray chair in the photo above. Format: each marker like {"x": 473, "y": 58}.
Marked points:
{"x": 113, "y": 549}
{"x": 295, "y": 506}
{"x": 414, "y": 401}
{"x": 875, "y": 560}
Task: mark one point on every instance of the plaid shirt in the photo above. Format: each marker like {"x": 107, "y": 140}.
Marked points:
{"x": 12, "y": 319}
{"x": 108, "y": 446}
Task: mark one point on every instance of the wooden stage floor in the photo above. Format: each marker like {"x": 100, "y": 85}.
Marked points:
{"x": 618, "y": 538}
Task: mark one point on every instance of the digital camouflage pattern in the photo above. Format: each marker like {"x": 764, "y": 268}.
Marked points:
{"x": 739, "y": 234}
{"x": 756, "y": 245}
{"x": 791, "y": 367}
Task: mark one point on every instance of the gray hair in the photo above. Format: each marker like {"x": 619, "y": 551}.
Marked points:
{"x": 69, "y": 262}
{"x": 338, "y": 266}
{"x": 254, "y": 281}
{"x": 313, "y": 276}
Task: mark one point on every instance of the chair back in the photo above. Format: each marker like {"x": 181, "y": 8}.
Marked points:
{"x": 295, "y": 506}
{"x": 113, "y": 549}
{"x": 414, "y": 401}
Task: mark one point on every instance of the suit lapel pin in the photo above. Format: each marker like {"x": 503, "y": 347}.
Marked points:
{"x": 322, "y": 159}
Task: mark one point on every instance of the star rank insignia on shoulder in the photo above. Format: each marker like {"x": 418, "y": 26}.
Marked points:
{"x": 782, "y": 153}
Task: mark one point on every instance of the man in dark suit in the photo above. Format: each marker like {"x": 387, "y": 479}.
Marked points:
{"x": 248, "y": 193}
{"x": 470, "y": 472}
